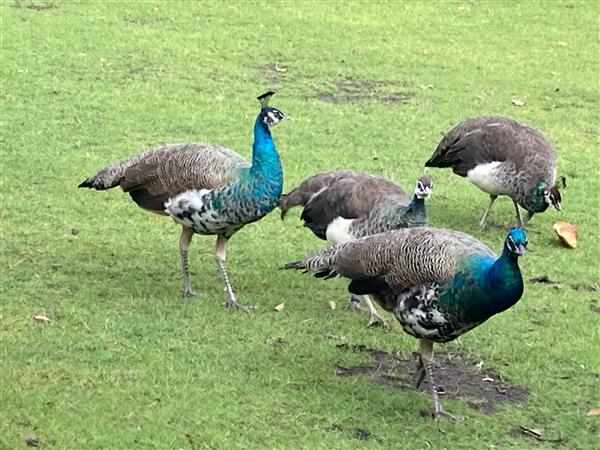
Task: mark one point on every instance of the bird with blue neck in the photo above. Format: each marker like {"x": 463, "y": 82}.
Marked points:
{"x": 206, "y": 188}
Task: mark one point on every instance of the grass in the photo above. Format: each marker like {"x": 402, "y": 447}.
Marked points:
{"x": 126, "y": 365}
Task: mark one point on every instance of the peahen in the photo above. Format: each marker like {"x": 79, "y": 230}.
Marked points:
{"x": 502, "y": 157}
{"x": 341, "y": 206}
{"x": 205, "y": 188}
{"x": 439, "y": 283}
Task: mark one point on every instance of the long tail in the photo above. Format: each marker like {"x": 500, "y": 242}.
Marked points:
{"x": 111, "y": 176}
{"x": 321, "y": 264}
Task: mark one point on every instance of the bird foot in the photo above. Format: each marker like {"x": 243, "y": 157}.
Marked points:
{"x": 440, "y": 413}
{"x": 377, "y": 320}
{"x": 353, "y": 306}
{"x": 187, "y": 292}
{"x": 235, "y": 305}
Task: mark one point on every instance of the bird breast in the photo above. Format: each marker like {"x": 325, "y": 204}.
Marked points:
{"x": 489, "y": 177}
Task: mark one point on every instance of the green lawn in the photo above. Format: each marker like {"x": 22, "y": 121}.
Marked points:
{"x": 125, "y": 364}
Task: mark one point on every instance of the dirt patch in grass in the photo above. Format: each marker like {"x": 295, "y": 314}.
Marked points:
{"x": 34, "y": 6}
{"x": 545, "y": 279}
{"x": 350, "y": 90}
{"x": 456, "y": 376}
{"x": 274, "y": 74}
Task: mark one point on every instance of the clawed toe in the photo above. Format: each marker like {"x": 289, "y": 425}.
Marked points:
{"x": 353, "y": 306}
{"x": 446, "y": 415}
{"x": 187, "y": 293}
{"x": 377, "y": 320}
{"x": 235, "y": 305}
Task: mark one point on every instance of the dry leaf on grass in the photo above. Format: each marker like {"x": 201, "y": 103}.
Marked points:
{"x": 280, "y": 307}
{"x": 41, "y": 319}
{"x": 593, "y": 412}
{"x": 567, "y": 234}
{"x": 517, "y": 101}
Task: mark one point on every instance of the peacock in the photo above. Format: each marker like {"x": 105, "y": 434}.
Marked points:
{"x": 340, "y": 206}
{"x": 207, "y": 189}
{"x": 439, "y": 283}
{"x": 502, "y": 157}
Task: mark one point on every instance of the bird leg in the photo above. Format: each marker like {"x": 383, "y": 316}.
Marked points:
{"x": 354, "y": 304}
{"x": 375, "y": 318}
{"x": 426, "y": 362}
{"x": 184, "y": 244}
{"x": 487, "y": 211}
{"x": 220, "y": 251}
{"x": 520, "y": 223}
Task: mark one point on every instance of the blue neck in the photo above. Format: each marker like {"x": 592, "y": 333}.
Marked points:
{"x": 416, "y": 205}
{"x": 504, "y": 283}
{"x": 265, "y": 159}
{"x": 484, "y": 287}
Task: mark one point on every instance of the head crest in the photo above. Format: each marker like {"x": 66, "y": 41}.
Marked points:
{"x": 264, "y": 99}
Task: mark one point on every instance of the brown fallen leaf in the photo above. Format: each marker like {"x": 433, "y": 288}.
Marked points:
{"x": 517, "y": 101}
{"x": 332, "y": 304}
{"x": 567, "y": 234}
{"x": 593, "y": 412}
{"x": 41, "y": 319}
{"x": 280, "y": 307}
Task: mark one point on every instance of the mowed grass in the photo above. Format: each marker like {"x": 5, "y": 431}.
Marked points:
{"x": 373, "y": 87}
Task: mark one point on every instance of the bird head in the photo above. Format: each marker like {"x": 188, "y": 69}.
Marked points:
{"x": 423, "y": 187}
{"x": 516, "y": 241}
{"x": 268, "y": 115}
{"x": 552, "y": 197}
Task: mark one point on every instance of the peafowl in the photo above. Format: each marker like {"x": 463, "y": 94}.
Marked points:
{"x": 340, "y": 206}
{"x": 502, "y": 157}
{"x": 205, "y": 188}
{"x": 439, "y": 283}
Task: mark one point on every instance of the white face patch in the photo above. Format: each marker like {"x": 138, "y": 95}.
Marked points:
{"x": 547, "y": 197}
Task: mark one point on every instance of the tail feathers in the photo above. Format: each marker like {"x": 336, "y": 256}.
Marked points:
{"x": 296, "y": 265}
{"x": 305, "y": 266}
{"x": 107, "y": 178}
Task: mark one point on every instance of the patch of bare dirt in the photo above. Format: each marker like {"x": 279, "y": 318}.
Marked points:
{"x": 456, "y": 376}
{"x": 349, "y": 90}
{"x": 34, "y": 6}
{"x": 274, "y": 73}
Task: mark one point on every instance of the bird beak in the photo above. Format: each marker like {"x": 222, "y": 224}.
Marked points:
{"x": 521, "y": 250}
{"x": 556, "y": 205}
{"x": 287, "y": 117}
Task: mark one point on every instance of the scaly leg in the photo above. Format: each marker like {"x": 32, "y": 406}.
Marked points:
{"x": 375, "y": 318}
{"x": 354, "y": 304}
{"x": 520, "y": 223}
{"x": 220, "y": 251}
{"x": 487, "y": 211}
{"x": 184, "y": 244}
{"x": 426, "y": 358}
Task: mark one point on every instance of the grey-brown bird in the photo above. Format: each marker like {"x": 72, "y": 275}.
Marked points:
{"x": 502, "y": 157}
{"x": 341, "y": 206}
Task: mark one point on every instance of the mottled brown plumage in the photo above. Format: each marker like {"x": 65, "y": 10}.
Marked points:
{"x": 359, "y": 192}
{"x": 152, "y": 177}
